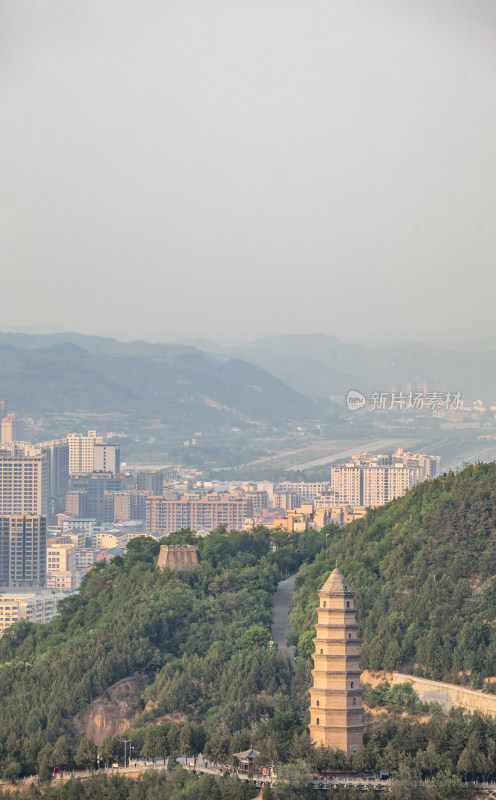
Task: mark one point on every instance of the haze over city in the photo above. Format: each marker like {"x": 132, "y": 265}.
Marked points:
{"x": 247, "y": 400}
{"x": 232, "y": 169}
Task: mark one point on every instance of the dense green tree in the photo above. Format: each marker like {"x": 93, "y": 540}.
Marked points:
{"x": 156, "y": 743}
{"x": 86, "y": 753}
{"x": 44, "y": 763}
{"x": 11, "y": 771}
{"x": 110, "y": 750}
{"x": 62, "y": 756}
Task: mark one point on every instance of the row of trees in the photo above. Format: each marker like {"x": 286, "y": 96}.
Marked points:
{"x": 460, "y": 745}
{"x": 174, "y": 785}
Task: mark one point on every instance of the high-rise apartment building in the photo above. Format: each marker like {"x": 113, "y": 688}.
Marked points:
{"x": 77, "y": 503}
{"x": 57, "y": 461}
{"x": 81, "y": 451}
{"x": 106, "y": 458}
{"x": 286, "y": 500}
{"x": 23, "y": 484}
{"x": 95, "y": 485}
{"x": 150, "y": 481}
{"x": 12, "y": 429}
{"x": 61, "y": 566}
{"x": 429, "y": 466}
{"x": 123, "y": 506}
{"x": 57, "y": 453}
{"x": 373, "y": 480}
{"x": 347, "y": 484}
{"x": 401, "y": 478}
{"x": 22, "y": 550}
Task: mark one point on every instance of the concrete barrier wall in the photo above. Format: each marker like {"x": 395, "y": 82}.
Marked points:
{"x": 448, "y": 694}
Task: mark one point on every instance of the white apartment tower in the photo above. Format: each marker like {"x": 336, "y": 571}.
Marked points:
{"x": 82, "y": 451}
{"x": 373, "y": 480}
{"x": 23, "y": 484}
{"x": 106, "y": 458}
{"x": 12, "y": 429}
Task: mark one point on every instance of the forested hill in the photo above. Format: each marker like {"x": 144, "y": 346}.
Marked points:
{"x": 424, "y": 572}
{"x": 196, "y": 642}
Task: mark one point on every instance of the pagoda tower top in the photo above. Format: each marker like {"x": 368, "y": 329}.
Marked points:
{"x": 336, "y": 584}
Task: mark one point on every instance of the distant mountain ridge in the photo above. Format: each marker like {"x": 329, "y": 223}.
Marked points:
{"x": 323, "y": 366}
{"x": 178, "y": 384}
{"x": 267, "y": 380}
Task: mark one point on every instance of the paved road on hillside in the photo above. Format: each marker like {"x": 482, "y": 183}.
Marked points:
{"x": 280, "y": 615}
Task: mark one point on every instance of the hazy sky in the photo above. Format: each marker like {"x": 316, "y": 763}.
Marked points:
{"x": 235, "y": 169}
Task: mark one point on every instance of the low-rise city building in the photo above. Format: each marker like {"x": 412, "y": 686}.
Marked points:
{"x": 33, "y": 606}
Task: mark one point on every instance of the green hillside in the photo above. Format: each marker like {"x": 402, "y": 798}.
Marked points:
{"x": 197, "y": 640}
{"x": 207, "y": 679}
{"x": 424, "y": 571}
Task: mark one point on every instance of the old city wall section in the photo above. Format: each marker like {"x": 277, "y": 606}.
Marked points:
{"x": 178, "y": 556}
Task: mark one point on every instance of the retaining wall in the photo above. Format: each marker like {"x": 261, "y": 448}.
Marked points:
{"x": 448, "y": 694}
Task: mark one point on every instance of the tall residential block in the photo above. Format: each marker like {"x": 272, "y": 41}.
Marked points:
{"x": 336, "y": 711}
{"x": 106, "y": 458}
{"x": 77, "y": 503}
{"x": 373, "y": 480}
{"x": 347, "y": 484}
{"x": 151, "y": 481}
{"x": 57, "y": 454}
{"x": 123, "y": 506}
{"x": 81, "y": 451}
{"x": 95, "y": 485}
{"x": 23, "y": 551}
{"x": 12, "y": 429}
{"x": 23, "y": 484}
{"x": 61, "y": 565}
{"x": 57, "y": 461}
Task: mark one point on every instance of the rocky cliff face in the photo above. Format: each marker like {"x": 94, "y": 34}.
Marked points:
{"x": 111, "y": 713}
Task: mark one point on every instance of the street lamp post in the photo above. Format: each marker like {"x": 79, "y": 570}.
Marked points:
{"x": 125, "y": 743}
